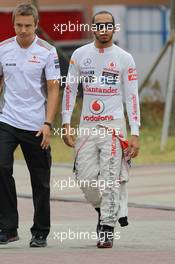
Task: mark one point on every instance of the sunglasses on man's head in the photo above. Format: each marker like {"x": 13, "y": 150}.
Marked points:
{"x": 103, "y": 25}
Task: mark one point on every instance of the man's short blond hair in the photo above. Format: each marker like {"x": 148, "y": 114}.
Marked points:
{"x": 25, "y": 10}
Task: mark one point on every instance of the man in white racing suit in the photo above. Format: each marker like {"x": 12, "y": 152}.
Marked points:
{"x": 108, "y": 75}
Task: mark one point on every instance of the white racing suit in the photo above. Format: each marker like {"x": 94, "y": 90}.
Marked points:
{"x": 101, "y": 167}
{"x": 108, "y": 78}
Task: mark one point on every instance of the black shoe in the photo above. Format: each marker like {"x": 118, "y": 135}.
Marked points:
{"x": 98, "y": 228}
{"x": 106, "y": 237}
{"x": 38, "y": 240}
{"x": 7, "y": 236}
{"x": 123, "y": 221}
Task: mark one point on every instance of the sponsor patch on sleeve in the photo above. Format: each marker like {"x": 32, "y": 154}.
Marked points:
{"x": 57, "y": 65}
{"x": 132, "y": 74}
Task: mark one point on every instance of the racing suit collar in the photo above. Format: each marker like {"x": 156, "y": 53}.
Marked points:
{"x": 103, "y": 50}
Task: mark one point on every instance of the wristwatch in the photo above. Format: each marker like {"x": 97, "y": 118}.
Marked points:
{"x": 48, "y": 124}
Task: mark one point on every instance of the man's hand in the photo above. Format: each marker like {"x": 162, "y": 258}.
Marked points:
{"x": 133, "y": 146}
{"x": 46, "y": 132}
{"x": 68, "y": 138}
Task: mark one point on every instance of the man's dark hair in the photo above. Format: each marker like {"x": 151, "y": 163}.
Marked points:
{"x": 103, "y": 12}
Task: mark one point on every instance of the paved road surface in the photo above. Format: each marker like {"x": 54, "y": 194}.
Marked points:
{"x": 149, "y": 238}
